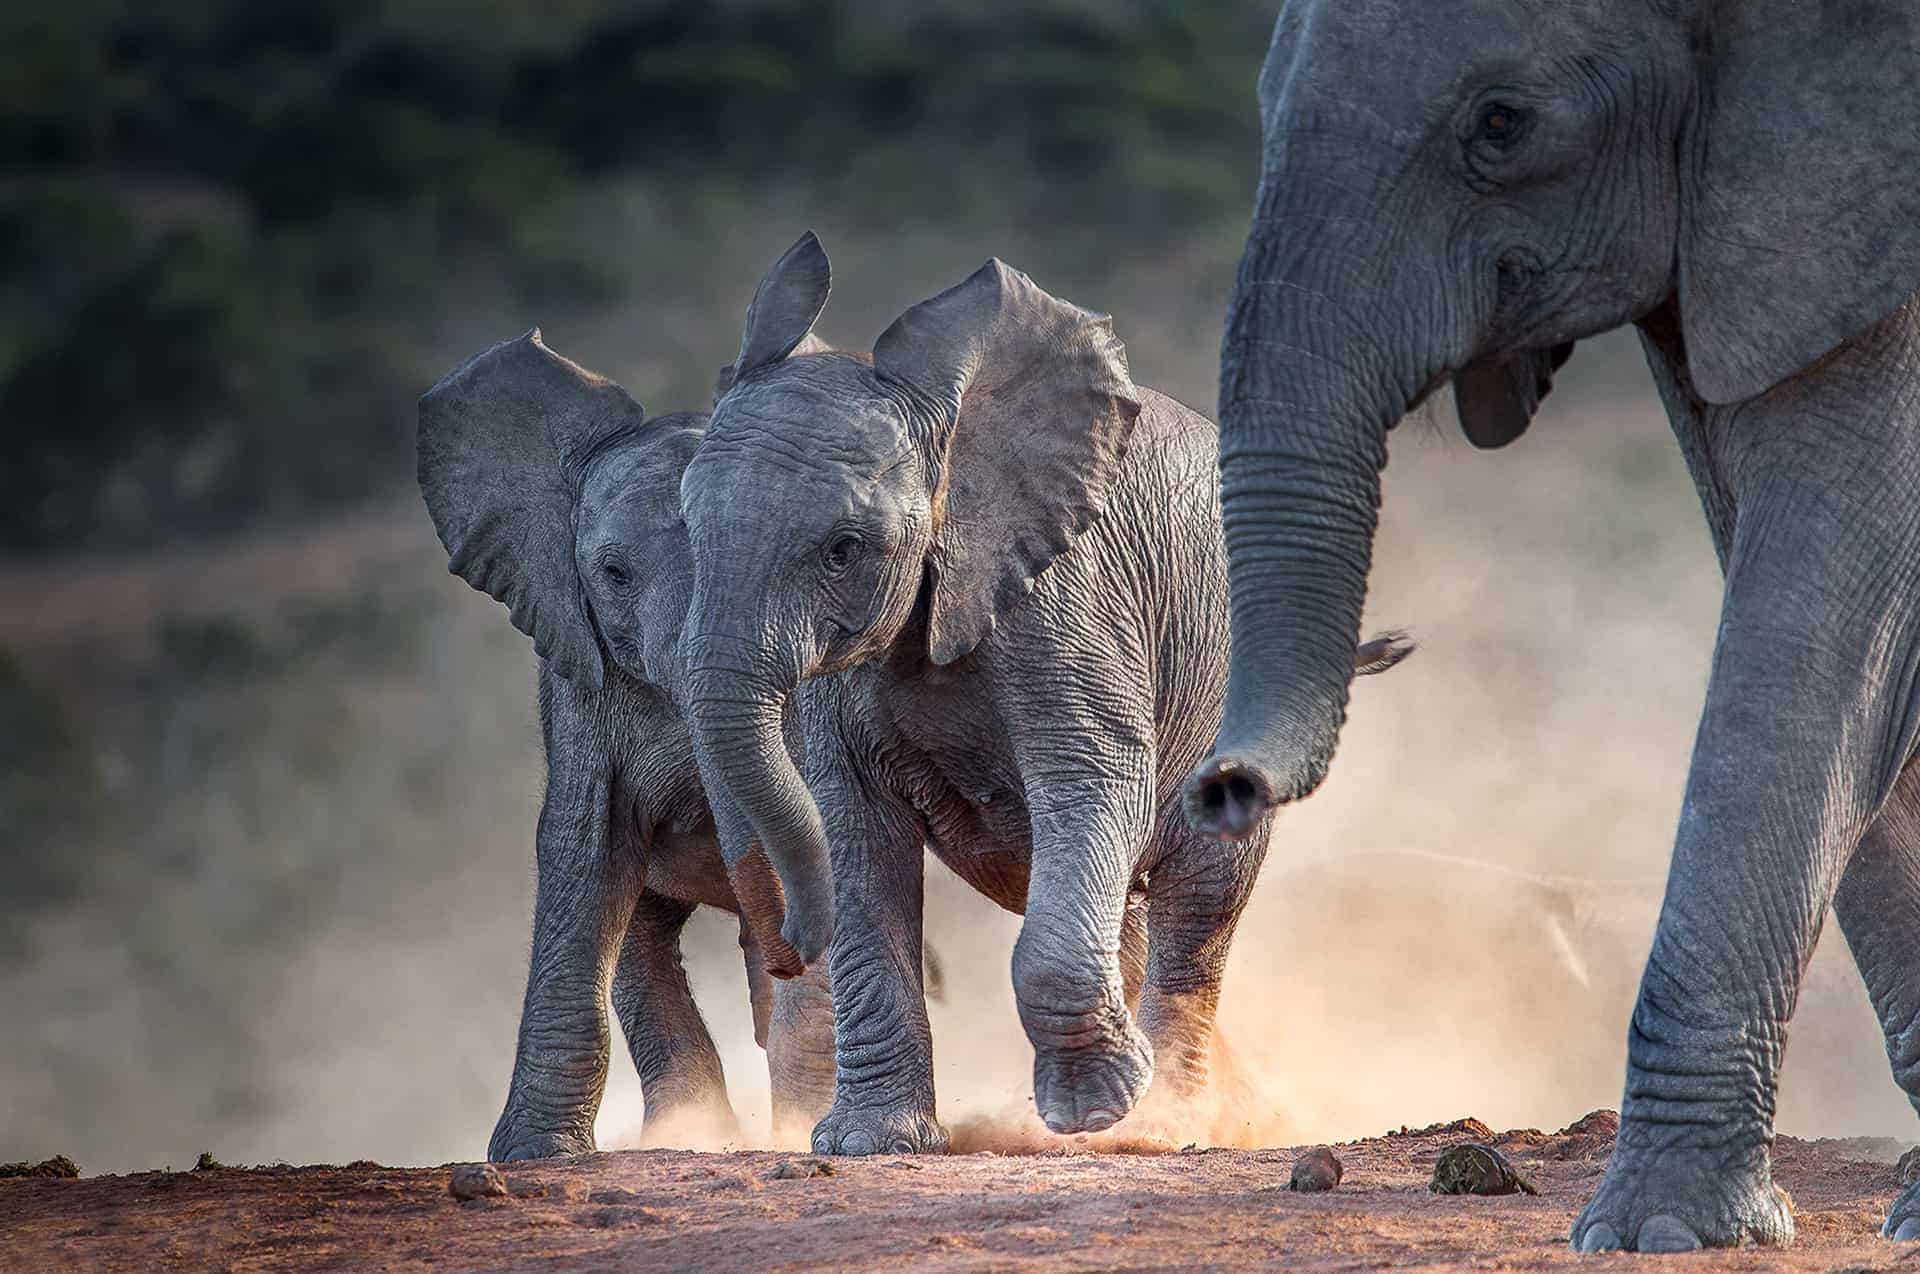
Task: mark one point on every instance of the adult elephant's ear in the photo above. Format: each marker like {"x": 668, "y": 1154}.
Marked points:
{"x": 502, "y": 443}
{"x": 1496, "y": 398}
{"x": 1801, "y": 205}
{"x": 1032, "y": 407}
{"x": 785, "y": 306}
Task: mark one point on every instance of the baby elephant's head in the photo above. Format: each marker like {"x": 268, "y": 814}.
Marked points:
{"x": 555, "y": 494}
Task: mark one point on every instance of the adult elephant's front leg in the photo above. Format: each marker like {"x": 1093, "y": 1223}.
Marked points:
{"x": 1809, "y": 719}
{"x": 1878, "y": 904}
{"x": 1091, "y": 1064}
{"x": 883, "y": 1099}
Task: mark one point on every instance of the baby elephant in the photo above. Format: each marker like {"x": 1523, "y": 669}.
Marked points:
{"x": 1010, "y": 557}
{"x": 555, "y": 494}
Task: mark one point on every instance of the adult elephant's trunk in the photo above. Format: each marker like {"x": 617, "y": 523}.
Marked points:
{"x": 761, "y": 806}
{"x": 1309, "y": 384}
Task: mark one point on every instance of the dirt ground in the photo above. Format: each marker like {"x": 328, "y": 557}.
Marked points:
{"x": 681, "y": 1210}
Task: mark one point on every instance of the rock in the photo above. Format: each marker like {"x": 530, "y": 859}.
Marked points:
{"x": 1315, "y": 1171}
{"x": 58, "y": 1166}
{"x": 795, "y": 1169}
{"x": 1598, "y": 1123}
{"x": 476, "y": 1181}
{"x": 1468, "y": 1127}
{"x": 1472, "y": 1168}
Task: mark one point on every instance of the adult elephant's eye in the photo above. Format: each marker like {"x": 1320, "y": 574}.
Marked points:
{"x": 616, "y": 574}
{"x": 1500, "y": 125}
{"x": 840, "y": 552}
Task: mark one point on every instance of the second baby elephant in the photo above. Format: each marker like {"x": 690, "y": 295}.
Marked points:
{"x": 1010, "y": 558}
{"x": 554, "y": 492}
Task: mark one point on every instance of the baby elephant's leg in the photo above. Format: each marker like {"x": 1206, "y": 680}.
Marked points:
{"x": 1090, "y": 1064}
{"x": 680, "y": 1076}
{"x": 1196, "y": 892}
{"x": 800, "y": 1061}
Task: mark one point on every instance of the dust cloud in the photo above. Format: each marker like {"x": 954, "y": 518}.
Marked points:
{"x": 295, "y": 921}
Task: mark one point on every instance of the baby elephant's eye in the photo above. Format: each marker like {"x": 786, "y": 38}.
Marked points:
{"x": 1500, "y": 125}
{"x": 840, "y": 552}
{"x": 616, "y": 574}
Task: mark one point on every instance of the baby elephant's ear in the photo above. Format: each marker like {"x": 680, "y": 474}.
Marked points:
{"x": 502, "y": 442}
{"x": 786, "y": 305}
{"x": 723, "y": 380}
{"x": 1030, "y": 407}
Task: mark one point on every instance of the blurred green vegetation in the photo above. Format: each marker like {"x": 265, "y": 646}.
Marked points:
{"x": 233, "y": 231}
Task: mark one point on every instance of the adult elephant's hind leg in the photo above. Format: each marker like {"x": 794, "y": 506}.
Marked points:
{"x": 1878, "y": 904}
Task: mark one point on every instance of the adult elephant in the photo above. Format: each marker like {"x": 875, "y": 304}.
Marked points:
{"x": 1458, "y": 190}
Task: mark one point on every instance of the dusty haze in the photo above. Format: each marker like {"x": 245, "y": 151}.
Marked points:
{"x": 302, "y": 773}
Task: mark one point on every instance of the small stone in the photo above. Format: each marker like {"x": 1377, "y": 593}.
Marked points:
{"x": 796, "y": 1169}
{"x": 476, "y": 1181}
{"x": 1472, "y": 1168}
{"x": 1315, "y": 1171}
{"x": 1909, "y": 1167}
{"x": 59, "y": 1166}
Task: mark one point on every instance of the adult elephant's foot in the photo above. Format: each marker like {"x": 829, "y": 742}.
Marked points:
{"x": 1677, "y": 1199}
{"x": 513, "y": 1145}
{"x": 1903, "y": 1218}
{"x": 887, "y": 1130}
{"x": 1092, "y": 1087}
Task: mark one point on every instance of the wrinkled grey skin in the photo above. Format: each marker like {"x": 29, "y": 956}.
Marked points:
{"x": 554, "y": 493}
{"x": 1010, "y": 558}
{"x": 1460, "y": 189}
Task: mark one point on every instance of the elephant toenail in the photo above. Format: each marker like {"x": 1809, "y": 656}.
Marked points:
{"x": 1907, "y": 1231}
{"x": 857, "y": 1143}
{"x": 1600, "y": 1237}
{"x": 1665, "y": 1233}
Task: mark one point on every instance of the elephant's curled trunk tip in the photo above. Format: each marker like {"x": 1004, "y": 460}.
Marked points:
{"x": 1226, "y": 797}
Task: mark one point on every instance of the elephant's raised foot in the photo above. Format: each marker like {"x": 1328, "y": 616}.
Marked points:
{"x": 512, "y": 1146}
{"x": 1903, "y": 1218}
{"x": 1092, "y": 1088}
{"x": 1680, "y": 1200}
{"x": 892, "y": 1130}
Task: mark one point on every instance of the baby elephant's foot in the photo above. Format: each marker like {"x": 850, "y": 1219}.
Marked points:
{"x": 1903, "y": 1218}
{"x": 1092, "y": 1087}
{"x": 1677, "y": 1200}
{"x": 510, "y": 1145}
{"x": 888, "y": 1130}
